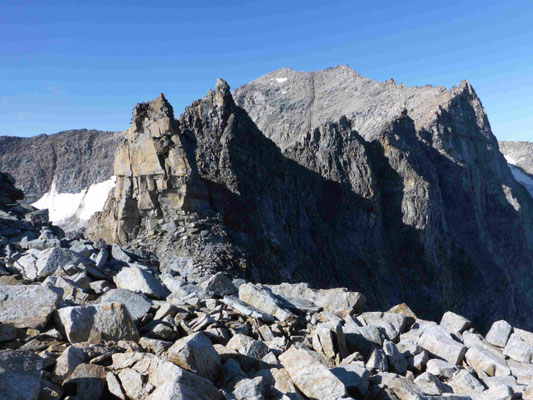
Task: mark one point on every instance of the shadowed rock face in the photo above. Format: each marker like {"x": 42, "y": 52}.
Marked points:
{"x": 76, "y": 159}
{"x": 400, "y": 193}
{"x": 9, "y": 194}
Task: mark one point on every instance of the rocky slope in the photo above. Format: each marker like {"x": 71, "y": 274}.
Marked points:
{"x": 519, "y": 154}
{"x": 61, "y": 172}
{"x": 398, "y": 192}
{"x": 109, "y": 325}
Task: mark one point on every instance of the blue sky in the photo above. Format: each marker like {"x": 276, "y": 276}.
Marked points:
{"x": 84, "y": 64}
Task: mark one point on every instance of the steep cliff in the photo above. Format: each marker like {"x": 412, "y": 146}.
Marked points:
{"x": 405, "y": 195}
{"x": 458, "y": 225}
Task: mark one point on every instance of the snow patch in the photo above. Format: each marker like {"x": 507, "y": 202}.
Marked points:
{"x": 281, "y": 80}
{"x": 521, "y": 177}
{"x": 510, "y": 160}
{"x": 82, "y": 205}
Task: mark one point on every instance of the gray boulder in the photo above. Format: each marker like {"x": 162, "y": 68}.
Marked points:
{"x": 20, "y": 375}
{"x": 40, "y": 264}
{"x": 138, "y": 279}
{"x": 97, "y": 323}
{"x": 311, "y": 376}
{"x": 196, "y": 354}
{"x": 27, "y": 306}
{"x": 499, "y": 333}
{"x": 136, "y": 304}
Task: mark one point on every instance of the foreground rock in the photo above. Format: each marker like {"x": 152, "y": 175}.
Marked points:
{"x": 196, "y": 354}
{"x": 27, "y": 306}
{"x": 98, "y": 323}
{"x": 20, "y": 375}
{"x": 311, "y": 376}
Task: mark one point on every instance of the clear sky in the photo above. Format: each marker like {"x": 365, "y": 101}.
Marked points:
{"x": 84, "y": 64}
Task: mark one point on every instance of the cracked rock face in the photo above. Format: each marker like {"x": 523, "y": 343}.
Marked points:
{"x": 332, "y": 179}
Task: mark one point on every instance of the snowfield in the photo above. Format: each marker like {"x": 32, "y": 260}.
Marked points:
{"x": 521, "y": 177}
{"x": 81, "y": 206}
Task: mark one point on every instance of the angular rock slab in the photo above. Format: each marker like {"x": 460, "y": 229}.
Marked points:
{"x": 482, "y": 360}
{"x": 499, "y": 333}
{"x": 196, "y": 354}
{"x": 138, "y": 280}
{"x": 27, "y": 306}
{"x": 44, "y": 263}
{"x": 137, "y": 304}
{"x": 265, "y": 301}
{"x": 333, "y": 300}
{"x": 310, "y": 376}
{"x": 97, "y": 323}
{"x": 518, "y": 349}
{"x": 438, "y": 341}
{"x": 20, "y": 375}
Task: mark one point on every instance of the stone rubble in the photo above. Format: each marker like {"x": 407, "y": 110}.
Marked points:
{"x": 117, "y": 330}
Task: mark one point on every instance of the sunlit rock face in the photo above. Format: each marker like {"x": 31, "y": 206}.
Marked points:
{"x": 398, "y": 192}
{"x": 154, "y": 176}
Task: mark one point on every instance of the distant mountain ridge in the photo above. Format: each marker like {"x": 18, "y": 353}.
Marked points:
{"x": 65, "y": 164}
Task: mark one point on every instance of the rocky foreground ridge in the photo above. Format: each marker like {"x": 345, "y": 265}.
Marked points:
{"x": 335, "y": 180}
{"x": 87, "y": 320}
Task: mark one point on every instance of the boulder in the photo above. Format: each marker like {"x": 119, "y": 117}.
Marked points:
{"x": 438, "y": 341}
{"x": 395, "y": 359}
{"x": 196, "y": 353}
{"x": 119, "y": 254}
{"x": 40, "y": 264}
{"x": 246, "y": 309}
{"x": 87, "y": 381}
{"x": 328, "y": 339}
{"x": 97, "y": 323}
{"x": 311, "y": 376}
{"x": 487, "y": 362}
{"x": 220, "y": 284}
{"x": 518, "y": 349}
{"x": 137, "y": 279}
{"x": 499, "y": 333}
{"x": 247, "y": 346}
{"x": 67, "y": 362}
{"x": 333, "y": 300}
{"x": 18, "y": 305}
{"x": 354, "y": 376}
{"x": 20, "y": 375}
{"x": 265, "y": 301}
{"x": 463, "y": 382}
{"x": 431, "y": 385}
{"x": 377, "y": 361}
{"x": 175, "y": 383}
{"x": 441, "y": 368}
{"x": 136, "y": 304}
{"x": 454, "y": 323}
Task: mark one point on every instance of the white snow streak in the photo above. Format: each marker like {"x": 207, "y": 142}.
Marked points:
{"x": 522, "y": 178}
{"x": 281, "y": 80}
{"x": 80, "y": 205}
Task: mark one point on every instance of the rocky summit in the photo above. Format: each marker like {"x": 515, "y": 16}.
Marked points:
{"x": 332, "y": 179}
{"x": 312, "y": 235}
